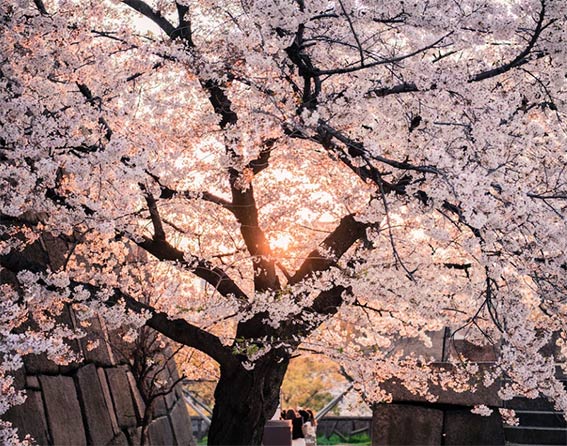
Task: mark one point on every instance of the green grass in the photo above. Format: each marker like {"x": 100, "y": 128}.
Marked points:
{"x": 358, "y": 439}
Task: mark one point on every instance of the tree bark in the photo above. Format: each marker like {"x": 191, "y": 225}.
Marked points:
{"x": 244, "y": 401}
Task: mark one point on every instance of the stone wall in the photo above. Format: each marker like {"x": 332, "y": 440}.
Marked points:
{"x": 99, "y": 401}
{"x": 434, "y": 424}
{"x": 96, "y": 403}
{"x": 412, "y": 420}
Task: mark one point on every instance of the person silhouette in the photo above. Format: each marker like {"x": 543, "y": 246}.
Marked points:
{"x": 297, "y": 437}
{"x": 309, "y": 427}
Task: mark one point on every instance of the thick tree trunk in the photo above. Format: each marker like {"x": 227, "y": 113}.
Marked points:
{"x": 245, "y": 401}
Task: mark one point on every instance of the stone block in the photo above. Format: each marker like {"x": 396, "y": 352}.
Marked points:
{"x": 171, "y": 399}
{"x": 108, "y": 399}
{"x": 182, "y": 426}
{"x": 179, "y": 392}
{"x": 277, "y": 433}
{"x": 139, "y": 402}
{"x": 19, "y": 378}
{"x": 465, "y": 428}
{"x": 38, "y": 364}
{"x": 160, "y": 432}
{"x": 102, "y": 354}
{"x": 73, "y": 366}
{"x": 33, "y": 258}
{"x": 135, "y": 435}
{"x": 159, "y": 408}
{"x": 97, "y": 413}
{"x": 472, "y": 352}
{"x": 405, "y": 424}
{"x": 120, "y": 348}
{"x": 35, "y": 425}
{"x": 56, "y": 249}
{"x": 119, "y": 440}
{"x": 63, "y": 411}
{"x": 172, "y": 366}
{"x": 122, "y": 396}
{"x": 32, "y": 382}
{"x": 162, "y": 374}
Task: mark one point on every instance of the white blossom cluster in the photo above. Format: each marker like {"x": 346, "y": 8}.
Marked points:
{"x": 439, "y": 127}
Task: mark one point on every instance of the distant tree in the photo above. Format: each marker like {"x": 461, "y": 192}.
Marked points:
{"x": 310, "y": 383}
{"x": 344, "y": 174}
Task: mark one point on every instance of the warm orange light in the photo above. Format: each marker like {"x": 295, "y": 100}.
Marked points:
{"x": 281, "y": 242}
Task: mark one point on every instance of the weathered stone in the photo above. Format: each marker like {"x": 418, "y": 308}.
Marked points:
{"x": 119, "y": 440}
{"x": 405, "y": 424}
{"x": 171, "y": 399}
{"x": 179, "y": 392}
{"x": 19, "y": 378}
{"x": 122, "y": 396}
{"x": 108, "y": 399}
{"x": 465, "y": 428}
{"x": 176, "y": 393}
{"x": 63, "y": 410}
{"x": 56, "y": 249}
{"x": 32, "y": 382}
{"x": 117, "y": 344}
{"x": 32, "y": 258}
{"x": 67, "y": 318}
{"x": 73, "y": 366}
{"x": 38, "y": 364}
{"x": 160, "y": 432}
{"x": 97, "y": 413}
{"x": 472, "y": 352}
{"x": 135, "y": 435}
{"x": 277, "y": 433}
{"x": 159, "y": 409}
{"x": 139, "y": 402}
{"x": 172, "y": 366}
{"x": 35, "y": 425}
{"x": 102, "y": 354}
{"x": 182, "y": 427}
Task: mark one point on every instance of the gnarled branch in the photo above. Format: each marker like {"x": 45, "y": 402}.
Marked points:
{"x": 215, "y": 276}
{"x": 178, "y": 330}
{"x": 246, "y": 212}
{"x": 348, "y": 232}
{"x": 523, "y": 57}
